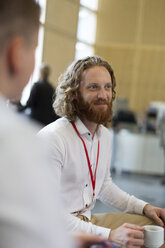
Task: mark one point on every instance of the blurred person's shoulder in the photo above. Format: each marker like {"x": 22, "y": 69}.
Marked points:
{"x": 18, "y": 136}
{"x": 21, "y": 150}
{"x": 27, "y": 181}
{"x": 59, "y": 126}
{"x": 15, "y": 124}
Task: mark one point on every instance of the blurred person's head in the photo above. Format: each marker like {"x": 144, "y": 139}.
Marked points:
{"x": 19, "y": 24}
{"x": 44, "y": 71}
{"x": 73, "y": 97}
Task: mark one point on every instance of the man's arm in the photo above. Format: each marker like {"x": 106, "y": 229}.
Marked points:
{"x": 112, "y": 195}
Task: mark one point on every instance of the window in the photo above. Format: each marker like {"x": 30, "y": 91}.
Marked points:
{"x": 83, "y": 50}
{"x": 86, "y": 31}
{"x": 92, "y": 4}
{"x": 38, "y": 54}
{"x": 42, "y": 3}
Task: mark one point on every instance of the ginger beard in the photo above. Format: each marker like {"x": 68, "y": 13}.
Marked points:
{"x": 91, "y": 112}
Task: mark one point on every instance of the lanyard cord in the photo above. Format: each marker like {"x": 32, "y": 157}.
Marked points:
{"x": 93, "y": 178}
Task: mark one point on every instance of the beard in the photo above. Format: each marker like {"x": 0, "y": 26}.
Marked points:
{"x": 93, "y": 113}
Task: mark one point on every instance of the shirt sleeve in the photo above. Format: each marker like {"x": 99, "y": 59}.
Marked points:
{"x": 75, "y": 224}
{"x": 112, "y": 195}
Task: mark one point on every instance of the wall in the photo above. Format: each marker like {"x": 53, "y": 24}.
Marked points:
{"x": 60, "y": 35}
{"x": 131, "y": 36}
{"x": 138, "y": 153}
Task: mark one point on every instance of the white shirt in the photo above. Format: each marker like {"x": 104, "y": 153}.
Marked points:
{"x": 30, "y": 213}
{"x": 69, "y": 162}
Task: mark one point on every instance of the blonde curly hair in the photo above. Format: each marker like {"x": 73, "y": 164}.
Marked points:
{"x": 69, "y": 82}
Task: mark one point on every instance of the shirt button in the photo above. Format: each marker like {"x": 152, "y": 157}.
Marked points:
{"x": 86, "y": 185}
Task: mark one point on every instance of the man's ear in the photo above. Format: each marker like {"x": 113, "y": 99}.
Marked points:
{"x": 14, "y": 55}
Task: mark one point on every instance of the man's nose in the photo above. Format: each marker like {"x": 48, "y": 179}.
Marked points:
{"x": 102, "y": 94}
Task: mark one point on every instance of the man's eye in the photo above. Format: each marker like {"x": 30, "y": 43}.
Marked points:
{"x": 108, "y": 86}
{"x": 93, "y": 87}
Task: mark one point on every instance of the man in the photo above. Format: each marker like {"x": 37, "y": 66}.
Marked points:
{"x": 27, "y": 216}
{"x": 80, "y": 152}
{"x": 41, "y": 99}
{"x": 30, "y": 215}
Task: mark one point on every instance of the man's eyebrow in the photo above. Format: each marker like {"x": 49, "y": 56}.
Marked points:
{"x": 93, "y": 82}
{"x": 97, "y": 83}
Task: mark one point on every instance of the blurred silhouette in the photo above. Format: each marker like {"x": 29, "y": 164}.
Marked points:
{"x": 41, "y": 99}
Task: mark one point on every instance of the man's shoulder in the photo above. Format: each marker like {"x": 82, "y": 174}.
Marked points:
{"x": 43, "y": 86}
{"x": 36, "y": 84}
{"x": 104, "y": 131}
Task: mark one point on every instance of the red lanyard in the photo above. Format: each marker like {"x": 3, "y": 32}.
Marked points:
{"x": 93, "y": 178}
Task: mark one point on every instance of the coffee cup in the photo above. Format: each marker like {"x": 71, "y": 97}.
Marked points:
{"x": 153, "y": 236}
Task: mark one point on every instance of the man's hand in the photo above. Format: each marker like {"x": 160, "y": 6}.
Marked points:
{"x": 155, "y": 213}
{"x": 127, "y": 235}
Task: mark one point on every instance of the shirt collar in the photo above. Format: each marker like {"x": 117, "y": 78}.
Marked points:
{"x": 83, "y": 130}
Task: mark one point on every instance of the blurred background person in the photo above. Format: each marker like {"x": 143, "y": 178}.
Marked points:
{"x": 41, "y": 99}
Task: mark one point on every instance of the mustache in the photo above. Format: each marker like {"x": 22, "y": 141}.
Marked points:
{"x": 100, "y": 101}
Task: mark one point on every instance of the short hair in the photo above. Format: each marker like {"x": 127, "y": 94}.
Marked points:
{"x": 17, "y": 17}
{"x": 45, "y": 70}
{"x": 69, "y": 82}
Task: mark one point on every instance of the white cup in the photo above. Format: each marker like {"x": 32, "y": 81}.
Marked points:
{"x": 153, "y": 236}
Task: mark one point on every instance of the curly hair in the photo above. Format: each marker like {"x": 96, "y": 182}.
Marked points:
{"x": 69, "y": 82}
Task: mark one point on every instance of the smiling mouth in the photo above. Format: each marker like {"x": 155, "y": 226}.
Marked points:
{"x": 100, "y": 104}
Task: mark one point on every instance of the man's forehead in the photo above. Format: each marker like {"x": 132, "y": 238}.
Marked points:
{"x": 96, "y": 73}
